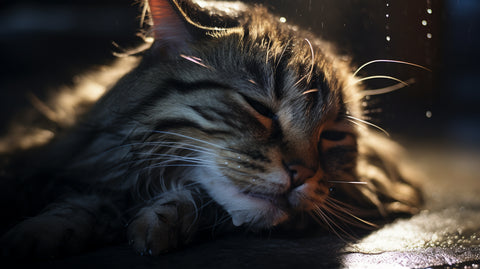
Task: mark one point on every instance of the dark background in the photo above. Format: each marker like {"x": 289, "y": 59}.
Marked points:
{"x": 44, "y": 44}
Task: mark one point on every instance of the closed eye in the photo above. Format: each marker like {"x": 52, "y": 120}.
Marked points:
{"x": 260, "y": 108}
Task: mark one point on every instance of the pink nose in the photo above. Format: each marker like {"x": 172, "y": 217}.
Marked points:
{"x": 299, "y": 174}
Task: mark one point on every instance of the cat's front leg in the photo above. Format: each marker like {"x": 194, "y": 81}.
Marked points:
{"x": 167, "y": 223}
{"x": 63, "y": 228}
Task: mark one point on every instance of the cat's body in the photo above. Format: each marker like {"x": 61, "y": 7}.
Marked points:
{"x": 250, "y": 125}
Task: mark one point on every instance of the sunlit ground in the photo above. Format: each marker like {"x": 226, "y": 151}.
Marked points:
{"x": 446, "y": 233}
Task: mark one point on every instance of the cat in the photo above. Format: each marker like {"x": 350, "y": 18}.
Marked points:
{"x": 230, "y": 119}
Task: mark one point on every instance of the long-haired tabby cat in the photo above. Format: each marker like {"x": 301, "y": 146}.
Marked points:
{"x": 230, "y": 118}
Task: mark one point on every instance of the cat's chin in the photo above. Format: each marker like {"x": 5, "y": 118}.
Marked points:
{"x": 261, "y": 210}
{"x": 254, "y": 210}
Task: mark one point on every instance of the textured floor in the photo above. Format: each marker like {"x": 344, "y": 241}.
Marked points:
{"x": 445, "y": 235}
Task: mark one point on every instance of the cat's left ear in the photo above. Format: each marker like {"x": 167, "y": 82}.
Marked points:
{"x": 173, "y": 28}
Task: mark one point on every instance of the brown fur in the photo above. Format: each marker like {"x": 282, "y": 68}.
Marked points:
{"x": 250, "y": 126}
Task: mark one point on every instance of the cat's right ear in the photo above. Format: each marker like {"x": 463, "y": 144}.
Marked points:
{"x": 173, "y": 29}
{"x": 170, "y": 25}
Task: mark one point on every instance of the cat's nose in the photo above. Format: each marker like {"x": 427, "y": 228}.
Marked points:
{"x": 299, "y": 174}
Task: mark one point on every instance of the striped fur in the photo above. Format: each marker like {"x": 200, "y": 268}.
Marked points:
{"x": 246, "y": 125}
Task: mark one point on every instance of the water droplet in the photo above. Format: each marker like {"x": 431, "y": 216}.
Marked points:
{"x": 429, "y": 11}
{"x": 387, "y": 15}
{"x": 428, "y": 114}
{"x": 424, "y": 22}
{"x": 253, "y": 180}
{"x": 239, "y": 167}
{"x": 226, "y": 163}
{"x": 388, "y": 4}
{"x": 429, "y": 35}
{"x": 283, "y": 19}
{"x": 388, "y": 38}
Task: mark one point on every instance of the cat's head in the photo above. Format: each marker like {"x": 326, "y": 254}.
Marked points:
{"x": 257, "y": 107}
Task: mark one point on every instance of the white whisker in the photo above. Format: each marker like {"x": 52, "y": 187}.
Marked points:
{"x": 176, "y": 165}
{"x": 162, "y": 163}
{"x": 353, "y": 119}
{"x": 312, "y": 65}
{"x": 381, "y": 77}
{"x": 388, "y": 89}
{"x": 157, "y": 160}
{"x": 329, "y": 222}
{"x": 310, "y": 91}
{"x": 191, "y": 184}
{"x": 192, "y": 138}
{"x": 160, "y": 143}
{"x": 389, "y": 61}
{"x": 342, "y": 207}
{"x": 171, "y": 157}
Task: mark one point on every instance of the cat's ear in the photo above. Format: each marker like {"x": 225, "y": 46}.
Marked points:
{"x": 174, "y": 28}
{"x": 170, "y": 28}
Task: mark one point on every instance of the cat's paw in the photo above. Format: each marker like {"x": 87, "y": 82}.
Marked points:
{"x": 154, "y": 230}
{"x": 41, "y": 237}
